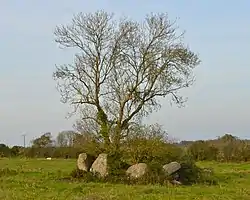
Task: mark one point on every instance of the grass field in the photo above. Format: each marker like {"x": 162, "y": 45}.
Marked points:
{"x": 39, "y": 179}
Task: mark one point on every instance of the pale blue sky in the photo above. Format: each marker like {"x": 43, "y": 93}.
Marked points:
{"x": 218, "y": 30}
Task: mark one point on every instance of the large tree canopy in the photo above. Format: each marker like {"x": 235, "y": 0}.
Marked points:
{"x": 44, "y": 140}
{"x": 121, "y": 68}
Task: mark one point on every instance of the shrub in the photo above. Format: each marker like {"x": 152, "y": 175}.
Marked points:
{"x": 116, "y": 163}
{"x": 149, "y": 144}
{"x": 236, "y": 151}
{"x": 190, "y": 173}
{"x": 202, "y": 150}
{"x": 245, "y": 151}
{"x": 150, "y": 150}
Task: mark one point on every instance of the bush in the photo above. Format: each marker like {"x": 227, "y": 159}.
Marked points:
{"x": 190, "y": 173}
{"x": 149, "y": 144}
{"x": 236, "y": 151}
{"x": 116, "y": 163}
{"x": 202, "y": 150}
{"x": 245, "y": 151}
{"x": 143, "y": 150}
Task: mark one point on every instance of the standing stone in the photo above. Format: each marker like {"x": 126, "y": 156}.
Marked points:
{"x": 100, "y": 165}
{"x": 137, "y": 170}
{"x": 84, "y": 162}
{"x": 171, "y": 167}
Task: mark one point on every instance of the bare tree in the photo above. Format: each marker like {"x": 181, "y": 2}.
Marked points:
{"x": 66, "y": 138}
{"x": 121, "y": 68}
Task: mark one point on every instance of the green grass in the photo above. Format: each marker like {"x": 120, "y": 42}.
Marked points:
{"x": 39, "y": 179}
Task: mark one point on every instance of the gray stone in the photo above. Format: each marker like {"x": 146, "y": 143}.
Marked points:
{"x": 84, "y": 162}
{"x": 100, "y": 165}
{"x": 171, "y": 167}
{"x": 137, "y": 170}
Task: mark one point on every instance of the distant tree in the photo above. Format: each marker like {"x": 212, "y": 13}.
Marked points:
{"x": 185, "y": 143}
{"x": 61, "y": 140}
{"x": 88, "y": 143}
{"x": 66, "y": 138}
{"x": 44, "y": 140}
{"x": 3, "y": 146}
{"x": 228, "y": 138}
{"x": 121, "y": 69}
{"x": 16, "y": 150}
{"x": 4, "y": 150}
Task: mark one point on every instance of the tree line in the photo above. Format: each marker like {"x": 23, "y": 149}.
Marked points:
{"x": 227, "y": 148}
{"x": 67, "y": 144}
{"x": 140, "y": 146}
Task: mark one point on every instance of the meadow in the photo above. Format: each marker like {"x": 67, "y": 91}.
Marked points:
{"x": 26, "y": 179}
